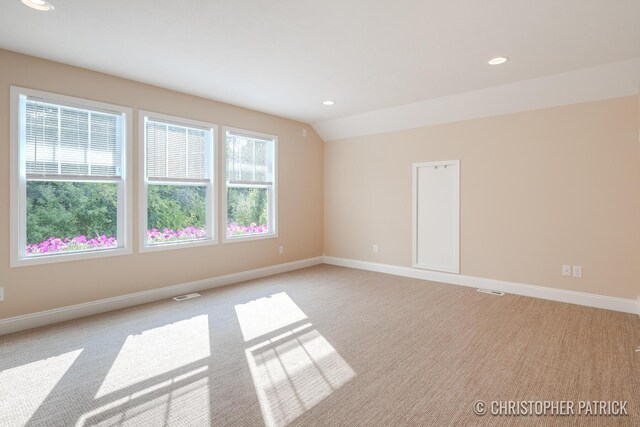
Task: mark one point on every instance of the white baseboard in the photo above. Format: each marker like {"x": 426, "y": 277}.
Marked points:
{"x": 42, "y": 318}
{"x": 553, "y": 294}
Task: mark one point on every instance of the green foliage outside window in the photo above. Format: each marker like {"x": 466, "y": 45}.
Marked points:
{"x": 69, "y": 209}
{"x": 247, "y": 206}
{"x": 175, "y": 207}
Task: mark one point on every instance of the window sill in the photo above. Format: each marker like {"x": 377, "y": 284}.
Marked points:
{"x": 64, "y": 257}
{"x": 250, "y": 238}
{"x": 177, "y": 245}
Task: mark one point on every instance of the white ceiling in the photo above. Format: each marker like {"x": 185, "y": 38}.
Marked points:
{"x": 285, "y": 57}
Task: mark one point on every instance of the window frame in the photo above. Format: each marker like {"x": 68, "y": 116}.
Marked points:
{"x": 273, "y": 209}
{"x": 18, "y": 180}
{"x": 212, "y": 189}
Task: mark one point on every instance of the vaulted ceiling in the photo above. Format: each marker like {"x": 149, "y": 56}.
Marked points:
{"x": 285, "y": 57}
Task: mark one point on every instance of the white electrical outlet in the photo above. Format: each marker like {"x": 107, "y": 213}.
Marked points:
{"x": 375, "y": 249}
{"x": 1, "y": 294}
{"x": 566, "y": 270}
{"x": 281, "y": 250}
{"x": 304, "y": 132}
{"x": 577, "y": 271}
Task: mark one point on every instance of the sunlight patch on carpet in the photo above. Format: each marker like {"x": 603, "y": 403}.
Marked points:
{"x": 24, "y": 388}
{"x": 294, "y": 370}
{"x": 264, "y": 315}
{"x": 155, "y": 353}
{"x": 182, "y": 400}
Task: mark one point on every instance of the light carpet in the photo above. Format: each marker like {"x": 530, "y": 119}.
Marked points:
{"x": 323, "y": 346}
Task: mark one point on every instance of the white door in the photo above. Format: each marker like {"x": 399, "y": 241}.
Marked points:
{"x": 436, "y": 216}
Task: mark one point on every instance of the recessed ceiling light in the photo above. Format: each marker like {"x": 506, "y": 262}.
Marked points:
{"x": 328, "y": 102}
{"x": 38, "y": 5}
{"x": 497, "y": 61}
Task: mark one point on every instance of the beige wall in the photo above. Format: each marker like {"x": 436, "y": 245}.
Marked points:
{"x": 300, "y": 210}
{"x": 538, "y": 189}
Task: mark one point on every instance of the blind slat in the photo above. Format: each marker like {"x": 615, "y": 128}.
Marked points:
{"x": 249, "y": 159}
{"x": 62, "y": 140}
{"x": 176, "y": 152}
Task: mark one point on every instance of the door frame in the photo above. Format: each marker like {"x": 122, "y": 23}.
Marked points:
{"x": 414, "y": 237}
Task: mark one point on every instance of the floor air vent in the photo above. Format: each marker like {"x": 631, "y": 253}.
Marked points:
{"x": 184, "y": 297}
{"x": 489, "y": 291}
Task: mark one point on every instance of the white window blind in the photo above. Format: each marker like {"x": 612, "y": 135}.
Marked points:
{"x": 66, "y": 141}
{"x": 249, "y": 159}
{"x": 176, "y": 152}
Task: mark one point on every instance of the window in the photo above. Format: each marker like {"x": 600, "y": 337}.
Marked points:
{"x": 177, "y": 193}
{"x": 69, "y": 178}
{"x": 251, "y": 190}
